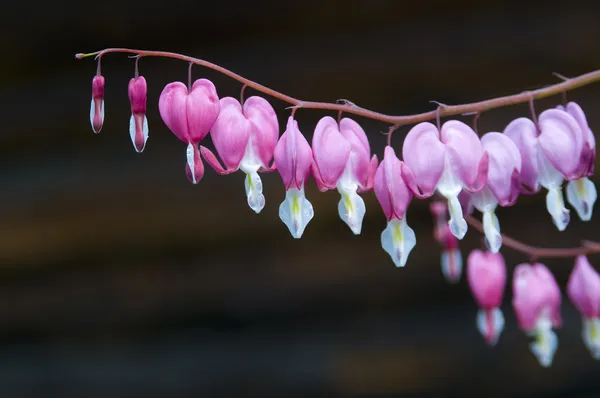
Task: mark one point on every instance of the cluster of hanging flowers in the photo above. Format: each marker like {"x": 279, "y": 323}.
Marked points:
{"x": 469, "y": 172}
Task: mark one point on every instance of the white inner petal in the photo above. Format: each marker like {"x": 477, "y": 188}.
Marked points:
{"x": 296, "y": 212}
{"x": 556, "y": 207}
{"x": 190, "y": 161}
{"x": 250, "y": 162}
{"x": 491, "y": 228}
{"x": 398, "y": 239}
{"x": 351, "y": 206}
{"x": 254, "y": 189}
{"x": 490, "y": 324}
{"x": 546, "y": 341}
{"x": 591, "y": 336}
{"x": 452, "y": 265}
{"x": 484, "y": 200}
{"x": 145, "y": 129}
{"x": 549, "y": 177}
{"x": 92, "y": 113}
{"x": 457, "y": 223}
{"x": 582, "y": 195}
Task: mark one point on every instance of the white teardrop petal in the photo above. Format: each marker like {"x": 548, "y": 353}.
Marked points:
{"x": 452, "y": 265}
{"x": 491, "y": 229}
{"x": 490, "y": 324}
{"x": 296, "y": 212}
{"x": 398, "y": 239}
{"x": 190, "y": 160}
{"x": 254, "y": 189}
{"x": 351, "y": 209}
{"x": 457, "y": 223}
{"x": 556, "y": 207}
{"x": 582, "y": 195}
{"x": 591, "y": 336}
{"x": 546, "y": 342}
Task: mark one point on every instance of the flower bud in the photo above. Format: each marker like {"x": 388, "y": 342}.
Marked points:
{"x": 138, "y": 123}
{"x": 97, "y": 105}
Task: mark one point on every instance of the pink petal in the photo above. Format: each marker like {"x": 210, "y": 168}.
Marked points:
{"x": 561, "y": 139}
{"x": 504, "y": 167}
{"x": 293, "y": 156}
{"x": 486, "y": 274}
{"x": 553, "y": 295}
{"x": 265, "y": 127}
{"x": 371, "y": 175}
{"x": 523, "y": 133}
{"x": 138, "y": 91}
{"x": 583, "y": 288}
{"x": 588, "y": 153}
{"x": 465, "y": 153}
{"x": 212, "y": 161}
{"x": 230, "y": 133}
{"x": 202, "y": 109}
{"x": 359, "y": 155}
{"x": 173, "y": 109}
{"x": 424, "y": 154}
{"x": 331, "y": 151}
{"x": 390, "y": 189}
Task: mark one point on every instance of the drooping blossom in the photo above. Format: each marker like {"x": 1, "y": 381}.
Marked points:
{"x": 394, "y": 196}
{"x": 449, "y": 161}
{"x": 502, "y": 185}
{"x": 293, "y": 159}
{"x": 581, "y": 192}
{"x": 486, "y": 274}
{"x": 97, "y": 104}
{"x": 341, "y": 160}
{"x": 245, "y": 138}
{"x": 536, "y": 302}
{"x": 550, "y": 153}
{"x": 190, "y": 115}
{"x": 583, "y": 289}
{"x": 451, "y": 258}
{"x": 138, "y": 123}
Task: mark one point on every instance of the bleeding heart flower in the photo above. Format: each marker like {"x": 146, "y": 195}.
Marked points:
{"x": 138, "y": 123}
{"x": 451, "y": 258}
{"x": 341, "y": 159}
{"x": 581, "y": 192}
{"x": 448, "y": 161}
{"x": 190, "y": 115}
{"x": 97, "y": 104}
{"x": 486, "y": 274}
{"x": 394, "y": 196}
{"x": 583, "y": 289}
{"x": 502, "y": 186}
{"x": 536, "y": 301}
{"x": 293, "y": 159}
{"x": 548, "y": 157}
{"x": 245, "y": 139}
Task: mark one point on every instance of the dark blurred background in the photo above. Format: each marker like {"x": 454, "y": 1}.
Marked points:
{"x": 119, "y": 278}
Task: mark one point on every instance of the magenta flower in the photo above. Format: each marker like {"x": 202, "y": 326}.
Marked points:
{"x": 486, "y": 274}
{"x": 190, "y": 115}
{"x": 293, "y": 159}
{"x": 451, "y": 258}
{"x": 97, "y": 105}
{"x": 548, "y": 158}
{"x": 341, "y": 160}
{"x": 536, "y": 302}
{"x": 138, "y": 123}
{"x": 502, "y": 186}
{"x": 245, "y": 140}
{"x": 581, "y": 192}
{"x": 394, "y": 196}
{"x": 583, "y": 289}
{"x": 448, "y": 161}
